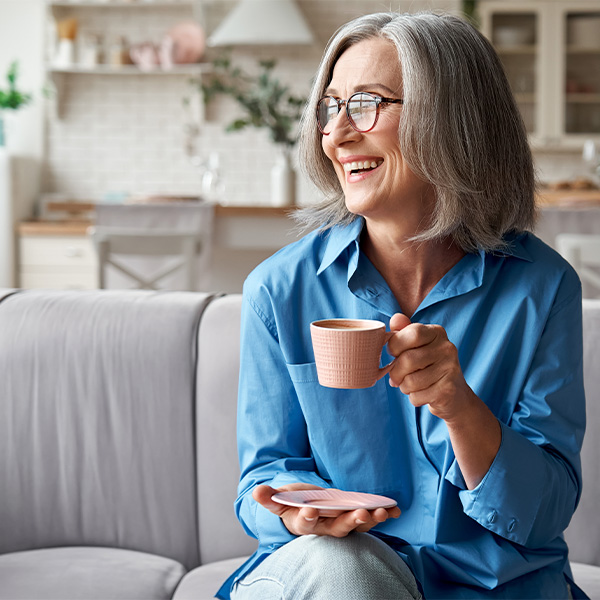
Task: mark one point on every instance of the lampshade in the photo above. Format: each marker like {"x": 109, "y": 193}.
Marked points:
{"x": 256, "y": 22}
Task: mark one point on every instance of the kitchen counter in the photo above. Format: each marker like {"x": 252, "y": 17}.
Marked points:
{"x": 243, "y": 237}
{"x": 568, "y": 198}
{"x": 79, "y": 226}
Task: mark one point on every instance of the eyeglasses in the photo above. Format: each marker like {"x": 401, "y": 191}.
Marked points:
{"x": 362, "y": 110}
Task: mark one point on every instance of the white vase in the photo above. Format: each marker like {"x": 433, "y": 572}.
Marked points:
{"x": 7, "y": 241}
{"x": 283, "y": 181}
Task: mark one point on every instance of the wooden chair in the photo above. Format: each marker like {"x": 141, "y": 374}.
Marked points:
{"x": 115, "y": 245}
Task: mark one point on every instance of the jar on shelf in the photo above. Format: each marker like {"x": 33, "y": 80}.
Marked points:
{"x": 90, "y": 50}
{"x": 117, "y": 53}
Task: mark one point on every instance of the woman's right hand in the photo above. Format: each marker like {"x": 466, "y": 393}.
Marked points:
{"x": 306, "y": 520}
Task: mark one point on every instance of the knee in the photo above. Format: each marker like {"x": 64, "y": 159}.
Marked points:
{"x": 359, "y": 562}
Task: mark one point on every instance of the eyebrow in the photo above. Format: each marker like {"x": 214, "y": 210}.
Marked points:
{"x": 363, "y": 88}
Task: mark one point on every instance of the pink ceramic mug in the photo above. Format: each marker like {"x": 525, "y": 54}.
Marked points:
{"x": 348, "y": 352}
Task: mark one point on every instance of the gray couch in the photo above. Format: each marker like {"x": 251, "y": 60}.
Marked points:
{"x": 118, "y": 465}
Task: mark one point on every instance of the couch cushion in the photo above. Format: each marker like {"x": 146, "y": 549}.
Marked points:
{"x": 97, "y": 428}
{"x": 587, "y": 577}
{"x": 204, "y": 582}
{"x": 83, "y": 573}
{"x": 583, "y": 533}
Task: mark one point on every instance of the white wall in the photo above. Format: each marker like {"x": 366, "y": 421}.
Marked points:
{"x": 21, "y": 24}
{"x": 21, "y": 35}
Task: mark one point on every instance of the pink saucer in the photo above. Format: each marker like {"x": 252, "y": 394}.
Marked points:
{"x": 332, "y": 499}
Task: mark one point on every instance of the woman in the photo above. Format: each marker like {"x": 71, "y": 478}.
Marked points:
{"x": 414, "y": 137}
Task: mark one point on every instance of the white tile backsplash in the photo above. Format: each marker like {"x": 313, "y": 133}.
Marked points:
{"x": 126, "y": 133}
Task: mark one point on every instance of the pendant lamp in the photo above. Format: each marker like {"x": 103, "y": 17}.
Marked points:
{"x": 263, "y": 22}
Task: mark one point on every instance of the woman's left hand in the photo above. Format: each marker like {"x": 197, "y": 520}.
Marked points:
{"x": 427, "y": 369}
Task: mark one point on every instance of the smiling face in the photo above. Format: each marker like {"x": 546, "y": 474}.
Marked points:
{"x": 382, "y": 187}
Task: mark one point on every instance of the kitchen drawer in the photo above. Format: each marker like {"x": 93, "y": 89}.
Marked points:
{"x": 41, "y": 250}
{"x": 58, "y": 278}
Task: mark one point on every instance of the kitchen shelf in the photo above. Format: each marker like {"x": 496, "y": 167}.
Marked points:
{"x": 112, "y": 14}
{"x": 122, "y": 3}
{"x": 58, "y": 76}
{"x": 190, "y": 69}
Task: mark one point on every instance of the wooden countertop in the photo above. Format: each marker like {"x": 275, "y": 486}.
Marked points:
{"x": 556, "y": 199}
{"x": 568, "y": 198}
{"x": 80, "y": 226}
{"x": 59, "y": 228}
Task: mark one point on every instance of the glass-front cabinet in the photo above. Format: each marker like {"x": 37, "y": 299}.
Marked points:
{"x": 551, "y": 54}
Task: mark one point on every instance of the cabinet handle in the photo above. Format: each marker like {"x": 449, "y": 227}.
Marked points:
{"x": 73, "y": 252}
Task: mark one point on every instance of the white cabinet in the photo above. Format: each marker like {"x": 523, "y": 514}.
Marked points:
{"x": 551, "y": 54}
{"x": 57, "y": 262}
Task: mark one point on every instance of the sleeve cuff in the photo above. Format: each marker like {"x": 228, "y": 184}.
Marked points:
{"x": 507, "y": 499}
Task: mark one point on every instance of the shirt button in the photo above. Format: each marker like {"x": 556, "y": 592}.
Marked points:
{"x": 512, "y": 525}
{"x": 492, "y": 516}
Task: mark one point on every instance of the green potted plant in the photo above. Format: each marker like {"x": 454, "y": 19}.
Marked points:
{"x": 266, "y": 104}
{"x": 11, "y": 98}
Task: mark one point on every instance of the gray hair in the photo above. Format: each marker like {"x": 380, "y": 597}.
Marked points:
{"x": 460, "y": 130}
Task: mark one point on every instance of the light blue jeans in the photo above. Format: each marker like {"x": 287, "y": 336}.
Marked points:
{"x": 356, "y": 567}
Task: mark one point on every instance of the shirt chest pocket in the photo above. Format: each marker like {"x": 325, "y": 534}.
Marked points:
{"x": 350, "y": 431}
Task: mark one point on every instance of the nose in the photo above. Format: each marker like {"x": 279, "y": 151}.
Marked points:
{"x": 341, "y": 130}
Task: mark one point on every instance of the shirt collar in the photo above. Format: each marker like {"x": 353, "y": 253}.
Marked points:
{"x": 338, "y": 239}
{"x": 515, "y": 247}
{"x": 465, "y": 276}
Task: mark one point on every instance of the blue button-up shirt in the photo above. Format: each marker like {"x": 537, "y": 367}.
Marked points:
{"x": 515, "y": 317}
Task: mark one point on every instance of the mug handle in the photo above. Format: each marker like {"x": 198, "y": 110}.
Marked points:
{"x": 385, "y": 370}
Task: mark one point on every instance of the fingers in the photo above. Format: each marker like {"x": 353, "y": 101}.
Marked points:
{"x": 340, "y": 526}
{"x": 308, "y": 520}
{"x": 262, "y": 494}
{"x": 398, "y": 322}
{"x": 414, "y": 335}
{"x": 424, "y": 356}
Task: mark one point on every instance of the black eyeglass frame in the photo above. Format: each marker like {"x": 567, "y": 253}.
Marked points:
{"x": 340, "y": 102}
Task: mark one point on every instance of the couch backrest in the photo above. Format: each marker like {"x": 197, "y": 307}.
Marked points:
{"x": 583, "y": 534}
{"x": 97, "y": 420}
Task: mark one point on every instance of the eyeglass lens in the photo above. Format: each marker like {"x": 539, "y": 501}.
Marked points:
{"x": 361, "y": 110}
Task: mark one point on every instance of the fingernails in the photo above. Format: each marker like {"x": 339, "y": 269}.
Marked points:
{"x": 309, "y": 518}
{"x": 360, "y": 522}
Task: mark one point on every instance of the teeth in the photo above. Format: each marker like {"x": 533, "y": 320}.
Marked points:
{"x": 359, "y": 165}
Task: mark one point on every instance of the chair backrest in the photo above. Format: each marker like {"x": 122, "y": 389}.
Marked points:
{"x": 166, "y": 245}
{"x": 583, "y": 252}
{"x": 114, "y": 244}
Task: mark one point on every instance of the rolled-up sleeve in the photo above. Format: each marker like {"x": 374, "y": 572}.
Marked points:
{"x": 533, "y": 486}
